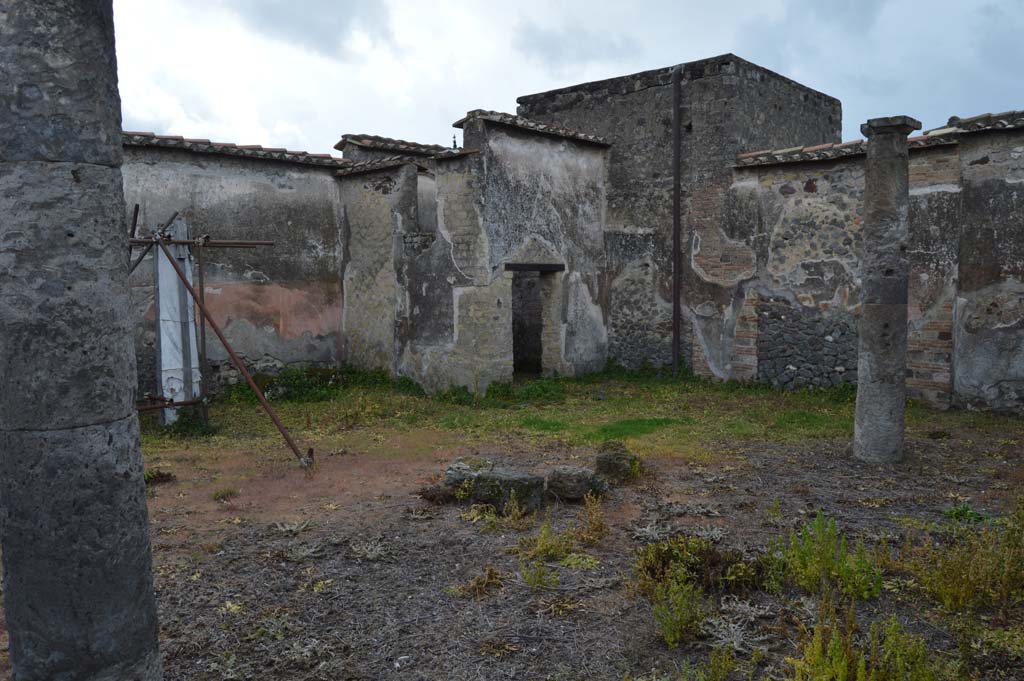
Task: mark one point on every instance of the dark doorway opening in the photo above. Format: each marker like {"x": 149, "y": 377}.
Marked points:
{"x": 527, "y": 322}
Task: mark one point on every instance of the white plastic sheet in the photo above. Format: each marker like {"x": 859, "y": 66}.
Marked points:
{"x": 179, "y": 354}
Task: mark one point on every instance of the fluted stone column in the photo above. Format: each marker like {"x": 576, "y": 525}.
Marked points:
{"x": 78, "y": 592}
{"x": 885, "y": 271}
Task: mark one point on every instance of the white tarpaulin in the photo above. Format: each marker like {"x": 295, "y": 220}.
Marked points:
{"x": 176, "y": 321}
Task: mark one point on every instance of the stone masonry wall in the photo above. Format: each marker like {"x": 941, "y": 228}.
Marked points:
{"x": 988, "y": 313}
{"x": 728, "y": 105}
{"x": 515, "y": 197}
{"x": 377, "y": 208}
{"x": 279, "y": 305}
{"x": 966, "y": 306}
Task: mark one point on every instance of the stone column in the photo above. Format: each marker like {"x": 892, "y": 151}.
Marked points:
{"x": 882, "y": 356}
{"x": 78, "y": 592}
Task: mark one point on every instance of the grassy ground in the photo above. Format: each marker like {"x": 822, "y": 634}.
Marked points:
{"x": 654, "y": 414}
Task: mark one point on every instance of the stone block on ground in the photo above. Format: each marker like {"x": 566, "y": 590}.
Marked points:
{"x": 497, "y": 485}
{"x": 480, "y": 481}
{"x": 617, "y": 463}
{"x": 572, "y": 483}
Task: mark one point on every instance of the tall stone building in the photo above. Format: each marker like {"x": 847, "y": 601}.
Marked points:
{"x": 545, "y": 242}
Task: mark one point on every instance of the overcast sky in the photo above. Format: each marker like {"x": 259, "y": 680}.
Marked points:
{"x": 299, "y": 73}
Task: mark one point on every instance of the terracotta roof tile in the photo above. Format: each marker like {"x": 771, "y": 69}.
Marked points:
{"x": 379, "y": 164}
{"x": 1007, "y": 120}
{"x": 389, "y": 144}
{"x": 527, "y": 124}
{"x": 148, "y": 139}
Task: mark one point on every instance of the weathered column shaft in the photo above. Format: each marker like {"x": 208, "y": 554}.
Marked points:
{"x": 78, "y": 593}
{"x": 885, "y": 271}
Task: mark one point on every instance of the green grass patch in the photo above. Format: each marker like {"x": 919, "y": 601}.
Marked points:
{"x": 629, "y": 428}
{"x": 543, "y": 425}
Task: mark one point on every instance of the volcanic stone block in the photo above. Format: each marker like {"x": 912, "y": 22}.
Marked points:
{"x": 572, "y": 483}
{"x": 480, "y": 481}
{"x": 617, "y": 463}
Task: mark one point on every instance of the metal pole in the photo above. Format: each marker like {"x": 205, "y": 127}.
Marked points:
{"x": 676, "y": 218}
{"x": 201, "y": 302}
{"x": 165, "y": 405}
{"x": 139, "y": 259}
{"x": 131, "y": 232}
{"x": 213, "y": 243}
{"x": 304, "y": 461}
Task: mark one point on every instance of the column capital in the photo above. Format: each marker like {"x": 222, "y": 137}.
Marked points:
{"x": 903, "y": 125}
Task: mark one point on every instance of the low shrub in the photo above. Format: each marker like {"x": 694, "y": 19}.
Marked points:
{"x": 697, "y": 558}
{"x": 819, "y": 557}
{"x": 680, "y": 607}
{"x": 976, "y": 567}
{"x": 833, "y": 653}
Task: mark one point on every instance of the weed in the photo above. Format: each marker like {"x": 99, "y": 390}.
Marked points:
{"x": 538, "y": 576}
{"x": 498, "y": 648}
{"x": 156, "y": 476}
{"x": 558, "y": 606}
{"x": 979, "y": 567}
{"x": 547, "y": 544}
{"x": 963, "y": 512}
{"x": 514, "y": 516}
{"x": 481, "y": 513}
{"x": 465, "y": 490}
{"x": 481, "y": 585}
{"x": 580, "y": 561}
{"x": 832, "y": 653}
{"x": 775, "y": 512}
{"x": 592, "y": 527}
{"x": 680, "y": 607}
{"x": 696, "y": 557}
{"x": 819, "y": 557}
{"x": 225, "y": 494}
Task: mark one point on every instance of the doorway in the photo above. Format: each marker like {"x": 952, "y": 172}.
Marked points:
{"x": 527, "y": 323}
{"x": 528, "y": 316}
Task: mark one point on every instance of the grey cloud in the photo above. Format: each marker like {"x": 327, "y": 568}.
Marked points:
{"x": 317, "y": 25}
{"x": 562, "y": 47}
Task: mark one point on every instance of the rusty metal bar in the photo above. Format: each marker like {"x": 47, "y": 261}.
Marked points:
{"x": 145, "y": 252}
{"x": 200, "y": 303}
{"x": 132, "y": 230}
{"x": 212, "y": 243}
{"x": 304, "y": 461}
{"x": 166, "y": 405}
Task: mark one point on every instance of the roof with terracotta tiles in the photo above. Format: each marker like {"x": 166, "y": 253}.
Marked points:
{"x": 203, "y": 146}
{"x": 380, "y": 164}
{"x": 945, "y": 135}
{"x": 1007, "y": 120}
{"x": 389, "y": 144}
{"x": 527, "y": 124}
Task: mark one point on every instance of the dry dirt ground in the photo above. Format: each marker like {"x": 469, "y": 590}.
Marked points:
{"x": 265, "y": 572}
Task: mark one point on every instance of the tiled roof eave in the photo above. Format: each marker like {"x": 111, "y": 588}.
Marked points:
{"x": 533, "y": 126}
{"x": 380, "y": 164}
{"x": 827, "y": 152}
{"x": 202, "y": 146}
{"x": 389, "y": 144}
